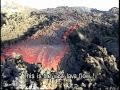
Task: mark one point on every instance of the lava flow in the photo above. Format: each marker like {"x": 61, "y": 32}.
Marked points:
{"x": 33, "y": 51}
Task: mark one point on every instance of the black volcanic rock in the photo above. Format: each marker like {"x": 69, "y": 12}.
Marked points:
{"x": 93, "y": 48}
{"x": 114, "y": 10}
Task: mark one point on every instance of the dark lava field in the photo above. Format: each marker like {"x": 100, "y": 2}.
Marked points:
{"x": 71, "y": 48}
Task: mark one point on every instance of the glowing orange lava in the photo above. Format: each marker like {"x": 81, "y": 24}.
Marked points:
{"x": 33, "y": 51}
{"x": 49, "y": 56}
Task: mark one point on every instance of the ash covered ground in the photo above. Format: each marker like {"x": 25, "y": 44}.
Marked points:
{"x": 90, "y": 50}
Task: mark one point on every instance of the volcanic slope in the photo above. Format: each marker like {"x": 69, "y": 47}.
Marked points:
{"x": 91, "y": 48}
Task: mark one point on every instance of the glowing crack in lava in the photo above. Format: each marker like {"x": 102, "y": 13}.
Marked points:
{"x": 33, "y": 51}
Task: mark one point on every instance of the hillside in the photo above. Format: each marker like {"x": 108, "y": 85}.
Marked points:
{"x": 75, "y": 40}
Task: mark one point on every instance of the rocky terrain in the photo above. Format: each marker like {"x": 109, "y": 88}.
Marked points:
{"x": 92, "y": 49}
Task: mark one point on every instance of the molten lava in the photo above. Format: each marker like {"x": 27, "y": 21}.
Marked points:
{"x": 33, "y": 51}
